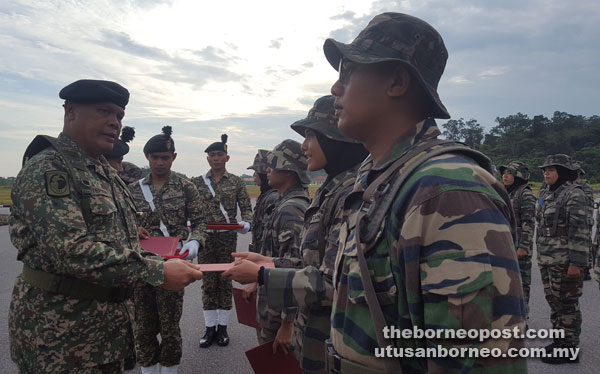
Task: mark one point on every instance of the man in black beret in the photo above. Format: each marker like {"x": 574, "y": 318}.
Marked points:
{"x": 168, "y": 202}
{"x": 222, "y": 192}
{"x": 75, "y": 230}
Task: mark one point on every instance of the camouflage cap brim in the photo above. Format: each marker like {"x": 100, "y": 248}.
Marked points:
{"x": 334, "y": 51}
{"x": 300, "y": 127}
{"x": 557, "y": 164}
{"x": 278, "y": 161}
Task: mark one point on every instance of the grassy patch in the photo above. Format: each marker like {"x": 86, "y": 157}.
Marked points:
{"x": 5, "y": 196}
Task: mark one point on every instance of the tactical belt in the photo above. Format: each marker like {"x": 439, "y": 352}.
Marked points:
{"x": 340, "y": 365}
{"x": 72, "y": 287}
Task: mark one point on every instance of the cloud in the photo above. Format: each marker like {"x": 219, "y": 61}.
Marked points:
{"x": 276, "y": 43}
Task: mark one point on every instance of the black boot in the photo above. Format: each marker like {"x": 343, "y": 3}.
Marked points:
{"x": 209, "y": 337}
{"x": 222, "y": 337}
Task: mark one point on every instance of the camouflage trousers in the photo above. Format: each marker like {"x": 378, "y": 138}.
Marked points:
{"x": 216, "y": 291}
{"x": 111, "y": 368}
{"x": 525, "y": 269}
{"x": 562, "y": 294}
{"x": 157, "y": 311}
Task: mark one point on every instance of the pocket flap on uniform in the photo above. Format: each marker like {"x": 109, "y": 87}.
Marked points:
{"x": 102, "y": 204}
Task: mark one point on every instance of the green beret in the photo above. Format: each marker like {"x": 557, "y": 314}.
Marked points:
{"x": 218, "y": 146}
{"x": 121, "y": 148}
{"x": 161, "y": 142}
{"x": 89, "y": 91}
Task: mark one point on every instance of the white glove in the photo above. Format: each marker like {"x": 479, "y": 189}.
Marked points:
{"x": 192, "y": 248}
{"x": 245, "y": 229}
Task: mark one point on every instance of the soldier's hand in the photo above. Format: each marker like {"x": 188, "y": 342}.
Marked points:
{"x": 574, "y": 272}
{"x": 284, "y": 337}
{"x": 179, "y": 273}
{"x": 521, "y": 253}
{"x": 243, "y": 271}
{"x": 251, "y": 256}
{"x": 248, "y": 290}
{"x": 143, "y": 233}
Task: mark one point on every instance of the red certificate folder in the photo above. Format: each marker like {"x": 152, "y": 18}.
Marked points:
{"x": 246, "y": 310}
{"x": 263, "y": 361}
{"x": 206, "y": 268}
{"x": 224, "y": 226}
{"x": 165, "y": 246}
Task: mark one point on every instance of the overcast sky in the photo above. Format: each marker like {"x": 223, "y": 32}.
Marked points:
{"x": 251, "y": 68}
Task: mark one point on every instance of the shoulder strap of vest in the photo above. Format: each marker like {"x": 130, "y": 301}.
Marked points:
{"x": 384, "y": 188}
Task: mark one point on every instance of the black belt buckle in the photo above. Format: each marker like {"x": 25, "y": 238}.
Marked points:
{"x": 337, "y": 362}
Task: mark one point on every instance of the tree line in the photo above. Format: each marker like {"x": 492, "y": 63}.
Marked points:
{"x": 530, "y": 140}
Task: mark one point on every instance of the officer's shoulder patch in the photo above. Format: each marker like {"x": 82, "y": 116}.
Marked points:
{"x": 57, "y": 183}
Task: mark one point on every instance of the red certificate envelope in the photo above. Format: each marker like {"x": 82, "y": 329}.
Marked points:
{"x": 224, "y": 226}
{"x": 165, "y": 246}
{"x": 263, "y": 361}
{"x": 246, "y": 310}
{"x": 207, "y": 268}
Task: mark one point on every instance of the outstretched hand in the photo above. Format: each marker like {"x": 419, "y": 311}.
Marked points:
{"x": 251, "y": 256}
{"x": 180, "y": 273}
{"x": 243, "y": 271}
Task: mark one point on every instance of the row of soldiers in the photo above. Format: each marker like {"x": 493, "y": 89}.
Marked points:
{"x": 564, "y": 216}
{"x": 418, "y": 235}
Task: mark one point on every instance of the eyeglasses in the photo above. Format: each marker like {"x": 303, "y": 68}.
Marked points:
{"x": 345, "y": 69}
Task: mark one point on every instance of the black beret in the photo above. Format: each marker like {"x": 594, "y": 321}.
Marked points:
{"x": 161, "y": 142}
{"x": 121, "y": 148}
{"x": 89, "y": 91}
{"x": 218, "y": 146}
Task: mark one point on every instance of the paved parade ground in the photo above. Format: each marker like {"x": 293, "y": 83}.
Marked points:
{"x": 231, "y": 359}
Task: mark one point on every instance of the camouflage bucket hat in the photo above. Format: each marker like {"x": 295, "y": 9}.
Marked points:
{"x": 559, "y": 160}
{"x": 516, "y": 168}
{"x": 322, "y": 119}
{"x": 260, "y": 162}
{"x": 289, "y": 156}
{"x": 398, "y": 37}
{"x": 577, "y": 165}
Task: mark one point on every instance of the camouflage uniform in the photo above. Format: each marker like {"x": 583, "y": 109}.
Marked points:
{"x": 523, "y": 202}
{"x": 563, "y": 239}
{"x": 281, "y": 233}
{"x": 89, "y": 235}
{"x": 131, "y": 172}
{"x": 428, "y": 272}
{"x": 158, "y": 311}
{"x": 310, "y": 288}
{"x": 264, "y": 202}
{"x": 230, "y": 191}
{"x": 441, "y": 255}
